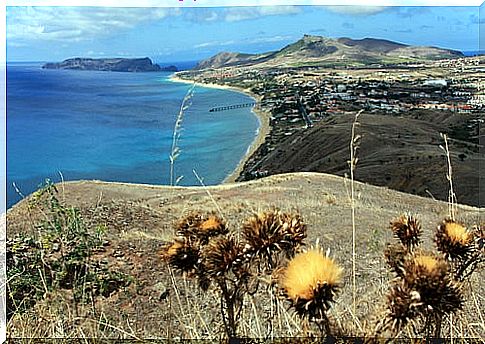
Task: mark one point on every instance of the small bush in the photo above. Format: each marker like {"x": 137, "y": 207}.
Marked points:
{"x": 58, "y": 257}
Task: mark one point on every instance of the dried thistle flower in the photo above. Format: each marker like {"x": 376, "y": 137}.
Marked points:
{"x": 474, "y": 258}
{"x": 452, "y": 298}
{"x": 212, "y": 226}
{"x": 270, "y": 232}
{"x": 404, "y": 307}
{"x": 294, "y": 229}
{"x": 479, "y": 231}
{"x": 408, "y": 230}
{"x": 428, "y": 275}
{"x": 182, "y": 255}
{"x": 424, "y": 288}
{"x": 425, "y": 270}
{"x": 311, "y": 282}
{"x": 454, "y": 240}
{"x": 221, "y": 255}
{"x": 188, "y": 226}
{"x": 198, "y": 227}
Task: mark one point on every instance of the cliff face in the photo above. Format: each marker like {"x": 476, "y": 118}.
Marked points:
{"x": 110, "y": 64}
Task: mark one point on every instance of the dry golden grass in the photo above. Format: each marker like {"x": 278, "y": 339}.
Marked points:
{"x": 140, "y": 219}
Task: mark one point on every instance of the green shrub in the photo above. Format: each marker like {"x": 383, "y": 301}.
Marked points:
{"x": 59, "y": 256}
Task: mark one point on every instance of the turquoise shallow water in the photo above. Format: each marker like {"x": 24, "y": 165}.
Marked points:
{"x": 117, "y": 127}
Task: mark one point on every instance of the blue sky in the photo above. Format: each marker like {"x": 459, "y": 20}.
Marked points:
{"x": 178, "y": 34}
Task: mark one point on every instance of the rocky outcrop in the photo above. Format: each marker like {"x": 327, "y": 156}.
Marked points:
{"x": 170, "y": 68}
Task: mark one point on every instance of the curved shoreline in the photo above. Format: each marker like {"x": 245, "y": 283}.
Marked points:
{"x": 262, "y": 116}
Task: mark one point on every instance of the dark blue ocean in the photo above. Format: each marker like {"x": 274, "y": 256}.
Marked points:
{"x": 117, "y": 127}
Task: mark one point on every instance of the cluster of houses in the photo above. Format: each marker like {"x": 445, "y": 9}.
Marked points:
{"x": 296, "y": 98}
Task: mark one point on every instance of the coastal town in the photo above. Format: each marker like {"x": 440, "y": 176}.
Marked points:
{"x": 297, "y": 98}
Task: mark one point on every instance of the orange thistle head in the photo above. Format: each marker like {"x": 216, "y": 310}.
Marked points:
{"x": 408, "y": 230}
{"x": 197, "y": 227}
{"x": 172, "y": 249}
{"x": 454, "y": 240}
{"x": 424, "y": 287}
{"x": 181, "y": 255}
{"x": 311, "y": 281}
{"x": 428, "y": 275}
{"x": 211, "y": 226}
{"x": 425, "y": 269}
{"x": 188, "y": 225}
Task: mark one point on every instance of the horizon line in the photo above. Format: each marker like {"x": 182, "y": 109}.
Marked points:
{"x": 247, "y": 3}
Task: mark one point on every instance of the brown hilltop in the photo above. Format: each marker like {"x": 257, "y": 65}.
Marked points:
{"x": 139, "y": 220}
{"x": 318, "y": 50}
{"x": 402, "y": 153}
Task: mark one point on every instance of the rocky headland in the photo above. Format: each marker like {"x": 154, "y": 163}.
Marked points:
{"x": 109, "y": 64}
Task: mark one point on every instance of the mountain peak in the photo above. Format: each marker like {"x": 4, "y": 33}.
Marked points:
{"x": 320, "y": 50}
{"x": 372, "y": 44}
{"x": 309, "y": 37}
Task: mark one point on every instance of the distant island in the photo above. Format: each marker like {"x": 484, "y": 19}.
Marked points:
{"x": 111, "y": 65}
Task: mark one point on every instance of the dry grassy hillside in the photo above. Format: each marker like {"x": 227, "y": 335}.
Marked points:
{"x": 139, "y": 220}
{"x": 402, "y": 153}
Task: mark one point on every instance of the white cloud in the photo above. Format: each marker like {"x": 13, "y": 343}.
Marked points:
{"x": 357, "y": 10}
{"x": 277, "y": 10}
{"x": 270, "y": 39}
{"x": 94, "y": 53}
{"x": 232, "y": 14}
{"x": 244, "y": 13}
{"x": 75, "y": 24}
{"x": 214, "y": 44}
{"x": 205, "y": 45}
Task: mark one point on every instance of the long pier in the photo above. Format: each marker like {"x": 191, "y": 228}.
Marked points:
{"x": 231, "y": 107}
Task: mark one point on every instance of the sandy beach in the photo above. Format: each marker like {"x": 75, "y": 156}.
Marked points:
{"x": 263, "y": 117}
